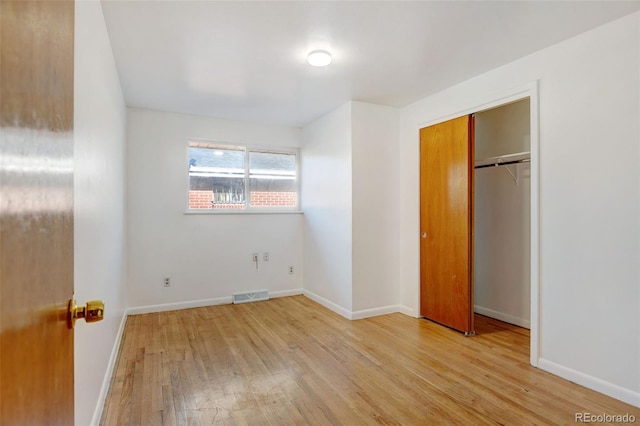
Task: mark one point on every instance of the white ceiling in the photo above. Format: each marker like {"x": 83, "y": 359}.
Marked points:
{"x": 246, "y": 60}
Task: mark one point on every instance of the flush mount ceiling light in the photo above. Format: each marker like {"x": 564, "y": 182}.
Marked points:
{"x": 319, "y": 58}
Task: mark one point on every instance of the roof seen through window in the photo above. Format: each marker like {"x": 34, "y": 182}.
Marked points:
{"x": 234, "y": 159}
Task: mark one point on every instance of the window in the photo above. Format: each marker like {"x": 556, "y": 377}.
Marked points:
{"x": 236, "y": 178}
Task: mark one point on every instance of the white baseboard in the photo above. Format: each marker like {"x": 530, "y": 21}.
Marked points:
{"x": 368, "y": 313}
{"x": 365, "y": 313}
{"x": 623, "y": 394}
{"x": 285, "y": 293}
{"x": 106, "y": 381}
{"x": 407, "y": 311}
{"x": 503, "y": 317}
{"x": 327, "y": 304}
{"x": 148, "y": 309}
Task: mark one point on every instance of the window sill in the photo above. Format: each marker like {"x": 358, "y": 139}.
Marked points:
{"x": 224, "y": 212}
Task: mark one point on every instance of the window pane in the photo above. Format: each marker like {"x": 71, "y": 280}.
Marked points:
{"x": 272, "y": 180}
{"x": 216, "y": 177}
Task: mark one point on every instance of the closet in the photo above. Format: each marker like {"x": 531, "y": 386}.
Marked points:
{"x": 502, "y": 213}
{"x": 475, "y": 218}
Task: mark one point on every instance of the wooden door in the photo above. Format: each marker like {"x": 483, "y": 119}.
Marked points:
{"x": 446, "y": 223}
{"x": 36, "y": 212}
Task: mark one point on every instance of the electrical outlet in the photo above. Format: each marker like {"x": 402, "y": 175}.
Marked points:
{"x": 265, "y": 256}
{"x": 167, "y": 282}
{"x": 291, "y": 270}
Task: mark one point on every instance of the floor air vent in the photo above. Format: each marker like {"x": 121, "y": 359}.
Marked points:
{"x": 251, "y": 296}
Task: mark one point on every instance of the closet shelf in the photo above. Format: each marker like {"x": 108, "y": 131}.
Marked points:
{"x": 519, "y": 157}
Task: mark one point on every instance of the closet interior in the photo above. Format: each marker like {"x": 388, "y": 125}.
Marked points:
{"x": 502, "y": 213}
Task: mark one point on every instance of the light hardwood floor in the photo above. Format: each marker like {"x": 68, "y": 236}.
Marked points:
{"x": 291, "y": 361}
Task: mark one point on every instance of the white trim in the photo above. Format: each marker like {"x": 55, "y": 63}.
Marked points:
{"x": 534, "y": 280}
{"x": 374, "y": 312}
{"x": 147, "y": 309}
{"x": 531, "y": 91}
{"x": 232, "y": 211}
{"x": 520, "y": 322}
{"x": 493, "y": 101}
{"x": 403, "y": 309}
{"x": 623, "y": 394}
{"x": 245, "y": 210}
{"x": 286, "y": 293}
{"x": 327, "y": 304}
{"x": 106, "y": 381}
{"x": 356, "y": 315}
{"x": 175, "y": 306}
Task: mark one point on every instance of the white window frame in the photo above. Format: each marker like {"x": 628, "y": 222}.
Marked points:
{"x": 248, "y": 209}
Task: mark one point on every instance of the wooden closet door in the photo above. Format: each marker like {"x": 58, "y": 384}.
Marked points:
{"x": 446, "y": 222}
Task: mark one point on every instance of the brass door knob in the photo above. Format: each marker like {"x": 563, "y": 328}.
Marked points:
{"x": 92, "y": 312}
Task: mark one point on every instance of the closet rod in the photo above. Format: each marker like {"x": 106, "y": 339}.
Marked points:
{"x": 503, "y": 163}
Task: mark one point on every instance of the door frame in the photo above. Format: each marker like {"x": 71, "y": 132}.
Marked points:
{"x": 530, "y": 91}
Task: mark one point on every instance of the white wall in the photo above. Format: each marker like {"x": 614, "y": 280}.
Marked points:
{"x": 503, "y": 130}
{"x": 375, "y": 219}
{"x": 502, "y": 216}
{"x": 589, "y": 106}
{"x": 99, "y": 191}
{"x": 326, "y": 202}
{"x": 349, "y": 196}
{"x": 206, "y": 256}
